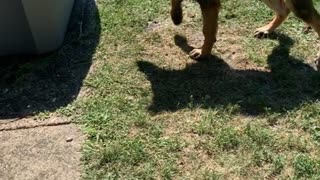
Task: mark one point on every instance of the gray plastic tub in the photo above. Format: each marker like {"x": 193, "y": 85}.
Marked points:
{"x": 33, "y": 26}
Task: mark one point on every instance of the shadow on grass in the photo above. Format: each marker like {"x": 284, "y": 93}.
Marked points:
{"x": 29, "y": 85}
{"x": 213, "y": 83}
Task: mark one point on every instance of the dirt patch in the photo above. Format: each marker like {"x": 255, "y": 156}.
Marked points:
{"x": 49, "y": 152}
{"x": 162, "y": 39}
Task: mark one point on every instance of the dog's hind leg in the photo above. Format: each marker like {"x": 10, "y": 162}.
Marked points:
{"x": 210, "y": 12}
{"x": 176, "y": 11}
{"x": 304, "y": 9}
{"x": 281, "y": 11}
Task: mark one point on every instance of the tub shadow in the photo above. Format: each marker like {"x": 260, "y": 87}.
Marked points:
{"x": 33, "y": 84}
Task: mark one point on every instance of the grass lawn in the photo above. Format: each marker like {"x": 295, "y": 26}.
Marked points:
{"x": 150, "y": 112}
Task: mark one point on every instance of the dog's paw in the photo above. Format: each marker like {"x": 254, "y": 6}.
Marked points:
{"x": 195, "y": 54}
{"x": 261, "y": 33}
{"x": 198, "y": 55}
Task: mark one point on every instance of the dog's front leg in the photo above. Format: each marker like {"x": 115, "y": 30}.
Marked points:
{"x": 305, "y": 10}
{"x": 210, "y": 12}
{"x": 281, "y": 13}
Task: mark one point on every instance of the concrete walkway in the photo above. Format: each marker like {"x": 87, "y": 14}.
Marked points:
{"x": 44, "y": 151}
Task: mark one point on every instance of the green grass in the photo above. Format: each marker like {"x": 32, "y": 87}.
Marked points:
{"x": 150, "y": 112}
{"x": 306, "y": 167}
{"x": 169, "y": 123}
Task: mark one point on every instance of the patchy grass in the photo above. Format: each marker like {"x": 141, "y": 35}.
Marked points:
{"x": 250, "y": 112}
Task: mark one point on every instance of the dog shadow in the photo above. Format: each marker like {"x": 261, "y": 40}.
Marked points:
{"x": 213, "y": 83}
{"x": 34, "y": 84}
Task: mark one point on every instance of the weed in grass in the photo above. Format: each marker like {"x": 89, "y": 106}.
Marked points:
{"x": 258, "y": 136}
{"x": 316, "y": 133}
{"x": 146, "y": 171}
{"x": 168, "y": 170}
{"x": 228, "y": 139}
{"x": 171, "y": 145}
{"x": 278, "y": 164}
{"x": 141, "y": 122}
{"x": 306, "y": 167}
{"x": 262, "y": 156}
{"x": 156, "y": 130}
{"x": 272, "y": 118}
{"x": 297, "y": 143}
{"x": 128, "y": 152}
{"x": 210, "y": 175}
{"x": 213, "y": 120}
{"x": 205, "y": 127}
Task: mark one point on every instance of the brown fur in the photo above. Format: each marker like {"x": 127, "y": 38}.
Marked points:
{"x": 303, "y": 9}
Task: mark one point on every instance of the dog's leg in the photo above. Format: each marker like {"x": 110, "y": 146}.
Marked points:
{"x": 304, "y": 9}
{"x": 210, "y": 12}
{"x": 176, "y": 11}
{"x": 282, "y": 12}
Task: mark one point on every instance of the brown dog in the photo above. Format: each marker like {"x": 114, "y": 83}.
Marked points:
{"x": 303, "y": 9}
